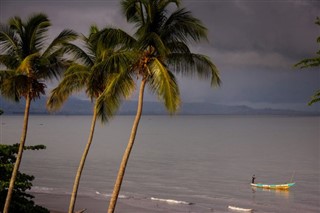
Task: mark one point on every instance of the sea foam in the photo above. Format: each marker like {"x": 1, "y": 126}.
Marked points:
{"x": 170, "y": 201}
{"x": 109, "y": 195}
{"x": 41, "y": 189}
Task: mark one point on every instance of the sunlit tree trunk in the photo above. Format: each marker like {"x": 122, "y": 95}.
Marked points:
{"x": 81, "y": 164}
{"x": 126, "y": 155}
{"x": 19, "y": 156}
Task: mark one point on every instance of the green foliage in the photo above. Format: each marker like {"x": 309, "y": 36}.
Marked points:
{"x": 95, "y": 70}
{"x": 312, "y": 62}
{"x": 28, "y": 62}
{"x": 21, "y": 201}
{"x": 315, "y": 98}
{"x": 162, "y": 40}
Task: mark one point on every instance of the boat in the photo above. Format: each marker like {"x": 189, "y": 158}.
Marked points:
{"x": 284, "y": 186}
{"x": 239, "y": 209}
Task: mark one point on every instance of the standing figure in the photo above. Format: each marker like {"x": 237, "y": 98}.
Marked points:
{"x": 253, "y": 178}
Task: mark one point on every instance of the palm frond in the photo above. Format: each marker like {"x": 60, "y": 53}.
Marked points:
{"x": 9, "y": 61}
{"x": 165, "y": 3}
{"x": 117, "y": 63}
{"x": 163, "y": 82}
{"x": 14, "y": 86}
{"x": 6, "y": 74}
{"x": 93, "y": 29}
{"x": 155, "y": 41}
{"x": 317, "y": 21}
{"x": 194, "y": 64}
{"x": 36, "y": 29}
{"x": 310, "y": 62}
{"x": 178, "y": 47}
{"x": 96, "y": 81}
{"x": 182, "y": 26}
{"x": 315, "y": 98}
{"x": 153, "y": 20}
{"x": 28, "y": 63}
{"x": 205, "y": 68}
{"x": 115, "y": 39}
{"x": 79, "y": 54}
{"x": 121, "y": 60}
{"x": 91, "y": 41}
{"x": 8, "y": 41}
{"x": 118, "y": 86}
{"x": 75, "y": 79}
{"x": 119, "y": 83}
{"x": 16, "y": 24}
{"x": 63, "y": 38}
{"x": 37, "y": 89}
{"x": 51, "y": 67}
{"x": 134, "y": 11}
{"x": 104, "y": 109}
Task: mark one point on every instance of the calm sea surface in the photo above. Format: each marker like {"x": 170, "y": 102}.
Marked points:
{"x": 179, "y": 163}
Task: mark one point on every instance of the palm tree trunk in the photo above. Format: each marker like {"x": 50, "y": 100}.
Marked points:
{"x": 125, "y": 158}
{"x": 81, "y": 164}
{"x": 19, "y": 156}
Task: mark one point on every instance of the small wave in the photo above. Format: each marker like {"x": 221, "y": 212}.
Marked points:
{"x": 42, "y": 189}
{"x": 109, "y": 195}
{"x": 170, "y": 201}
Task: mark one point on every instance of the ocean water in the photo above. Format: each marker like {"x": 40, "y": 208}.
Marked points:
{"x": 178, "y": 163}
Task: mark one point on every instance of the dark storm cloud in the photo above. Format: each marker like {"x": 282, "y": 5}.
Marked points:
{"x": 258, "y": 34}
{"x": 254, "y": 43}
{"x": 77, "y": 15}
{"x": 263, "y": 26}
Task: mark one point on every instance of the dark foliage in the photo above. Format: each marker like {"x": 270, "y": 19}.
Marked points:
{"x": 21, "y": 201}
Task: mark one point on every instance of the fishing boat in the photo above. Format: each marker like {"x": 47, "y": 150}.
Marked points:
{"x": 284, "y": 186}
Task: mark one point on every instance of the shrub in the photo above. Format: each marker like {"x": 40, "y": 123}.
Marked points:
{"x": 21, "y": 201}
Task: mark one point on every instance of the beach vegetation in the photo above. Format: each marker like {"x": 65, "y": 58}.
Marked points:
{"x": 21, "y": 200}
{"x": 28, "y": 61}
{"x": 311, "y": 63}
{"x": 163, "y": 32}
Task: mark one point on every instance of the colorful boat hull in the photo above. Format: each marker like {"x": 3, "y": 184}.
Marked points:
{"x": 273, "y": 186}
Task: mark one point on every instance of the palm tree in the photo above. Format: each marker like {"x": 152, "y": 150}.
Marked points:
{"x": 312, "y": 62}
{"x": 104, "y": 54}
{"x": 28, "y": 64}
{"x": 162, "y": 43}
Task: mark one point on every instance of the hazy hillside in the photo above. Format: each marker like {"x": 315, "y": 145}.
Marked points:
{"x": 82, "y": 107}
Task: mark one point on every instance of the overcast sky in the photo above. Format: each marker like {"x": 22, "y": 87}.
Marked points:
{"x": 254, "y": 44}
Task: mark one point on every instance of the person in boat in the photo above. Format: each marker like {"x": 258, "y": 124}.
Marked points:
{"x": 253, "y": 178}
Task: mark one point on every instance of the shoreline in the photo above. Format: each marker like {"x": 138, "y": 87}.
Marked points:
{"x": 59, "y": 203}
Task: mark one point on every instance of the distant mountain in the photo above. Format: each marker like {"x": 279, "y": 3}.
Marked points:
{"x": 73, "y": 106}
{"x": 76, "y": 106}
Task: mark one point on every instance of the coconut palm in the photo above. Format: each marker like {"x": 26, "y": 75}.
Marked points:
{"x": 104, "y": 57}
{"x": 28, "y": 62}
{"x": 312, "y": 62}
{"x": 162, "y": 42}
